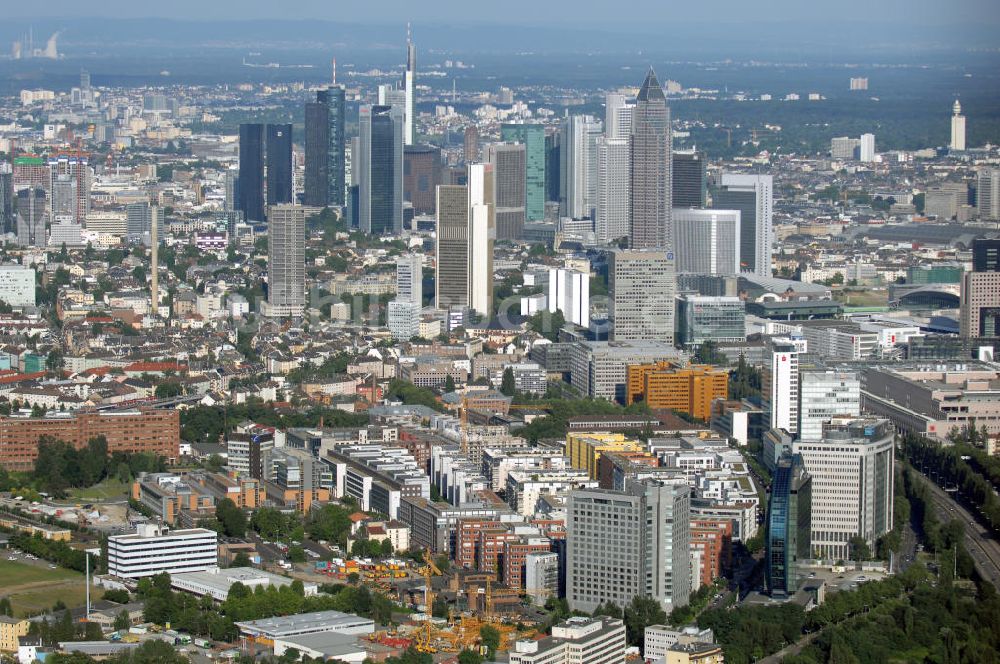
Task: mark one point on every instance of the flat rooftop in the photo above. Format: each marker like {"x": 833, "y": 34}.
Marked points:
{"x": 306, "y": 623}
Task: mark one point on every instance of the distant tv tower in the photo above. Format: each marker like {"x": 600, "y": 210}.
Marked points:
{"x": 333, "y": 72}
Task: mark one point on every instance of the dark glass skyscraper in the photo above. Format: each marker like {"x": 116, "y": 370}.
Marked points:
{"x": 532, "y": 136}
{"x": 789, "y": 522}
{"x": 986, "y": 255}
{"x": 688, "y": 180}
{"x": 279, "y": 164}
{"x": 651, "y": 186}
{"x": 324, "y": 181}
{"x": 380, "y": 170}
{"x": 317, "y": 176}
{"x": 250, "y": 186}
{"x": 7, "y": 199}
{"x": 552, "y": 174}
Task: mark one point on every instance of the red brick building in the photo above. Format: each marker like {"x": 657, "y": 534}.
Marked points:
{"x": 154, "y": 431}
{"x": 714, "y": 539}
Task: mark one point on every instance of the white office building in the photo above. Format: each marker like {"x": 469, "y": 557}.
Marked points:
{"x": 707, "y": 241}
{"x": 824, "y": 395}
{"x": 403, "y": 313}
{"x": 752, "y": 195}
{"x": 614, "y": 187}
{"x": 618, "y": 109}
{"x": 626, "y": 544}
{"x": 579, "y": 640}
{"x": 578, "y": 166}
{"x": 867, "y": 148}
{"x": 780, "y": 393}
{"x": 154, "y": 549}
{"x": 852, "y": 484}
{"x": 17, "y": 285}
{"x": 569, "y": 292}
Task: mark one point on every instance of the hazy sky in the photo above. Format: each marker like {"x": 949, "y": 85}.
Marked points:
{"x": 643, "y": 13}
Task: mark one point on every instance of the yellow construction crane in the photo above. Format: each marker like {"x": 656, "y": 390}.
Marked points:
{"x": 425, "y": 636}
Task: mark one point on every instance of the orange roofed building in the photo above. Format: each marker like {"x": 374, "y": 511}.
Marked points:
{"x": 688, "y": 389}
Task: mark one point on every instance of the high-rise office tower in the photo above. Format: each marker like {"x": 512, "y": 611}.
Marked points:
{"x": 611, "y": 220}
{"x": 617, "y": 115}
{"x": 642, "y": 285}
{"x": 626, "y": 544}
{"x": 553, "y": 178}
{"x": 980, "y": 292}
{"x": 465, "y": 236}
{"x": 154, "y": 264}
{"x": 578, "y": 166}
{"x": 569, "y": 292}
{"x": 780, "y": 383}
{"x": 250, "y": 186}
{"x": 62, "y": 194}
{"x": 751, "y": 195}
{"x": 789, "y": 522}
{"x": 390, "y": 94}
{"x": 508, "y": 161}
{"x": 852, "y": 484}
{"x": 403, "y": 312}
{"x": 336, "y": 168}
{"x": 988, "y": 193}
{"x": 378, "y": 169}
{"x": 957, "y": 128}
{"x": 31, "y": 217}
{"x": 844, "y": 147}
{"x": 470, "y": 151}
{"x": 286, "y": 260}
{"x": 421, "y": 176}
{"x": 316, "y": 187}
{"x": 825, "y": 394}
{"x": 279, "y": 164}
{"x": 231, "y": 183}
{"x": 482, "y": 233}
{"x": 409, "y": 84}
{"x": 7, "y": 221}
{"x": 532, "y": 136}
{"x": 707, "y": 241}
{"x": 651, "y": 164}
{"x": 451, "y": 282}
{"x": 867, "y": 148}
{"x": 75, "y": 167}
{"x": 688, "y": 180}
{"x": 139, "y": 221}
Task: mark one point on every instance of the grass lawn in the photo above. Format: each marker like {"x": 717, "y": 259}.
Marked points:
{"x": 110, "y": 489}
{"x": 35, "y": 588}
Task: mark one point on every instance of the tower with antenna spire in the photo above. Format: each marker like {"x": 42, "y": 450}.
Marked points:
{"x": 333, "y": 72}
{"x": 957, "y": 128}
{"x": 409, "y": 80}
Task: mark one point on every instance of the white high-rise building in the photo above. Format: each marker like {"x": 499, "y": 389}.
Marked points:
{"x": 569, "y": 292}
{"x": 617, "y": 115}
{"x": 614, "y": 201}
{"x": 707, "y": 241}
{"x": 409, "y": 81}
{"x": 852, "y": 484}
{"x": 153, "y": 549}
{"x": 286, "y": 260}
{"x": 957, "y": 128}
{"x": 867, "y": 147}
{"x": 780, "y": 392}
{"x": 626, "y": 544}
{"x": 17, "y": 285}
{"x": 403, "y": 312}
{"x": 482, "y": 233}
{"x": 578, "y": 640}
{"x": 823, "y": 396}
{"x": 642, "y": 285}
{"x": 578, "y": 166}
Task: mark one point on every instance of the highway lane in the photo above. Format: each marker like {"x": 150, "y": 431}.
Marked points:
{"x": 983, "y": 548}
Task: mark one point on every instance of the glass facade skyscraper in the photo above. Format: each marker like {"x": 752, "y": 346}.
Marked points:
{"x": 380, "y": 170}
{"x": 250, "y": 186}
{"x": 789, "y": 520}
{"x": 532, "y": 136}
{"x": 279, "y": 164}
{"x": 688, "y": 180}
{"x": 651, "y": 162}
{"x": 325, "y": 159}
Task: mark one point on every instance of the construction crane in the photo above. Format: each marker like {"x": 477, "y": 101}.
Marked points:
{"x": 426, "y": 635}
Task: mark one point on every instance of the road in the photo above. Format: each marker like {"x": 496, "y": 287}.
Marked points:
{"x": 983, "y": 548}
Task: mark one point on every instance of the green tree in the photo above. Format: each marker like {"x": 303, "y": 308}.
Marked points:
{"x": 449, "y": 383}
{"x": 240, "y": 560}
{"x": 469, "y": 657}
{"x": 232, "y": 518}
{"x": 507, "y": 384}
{"x": 859, "y": 548}
{"x": 490, "y": 637}
{"x": 642, "y": 612}
{"x": 122, "y": 621}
